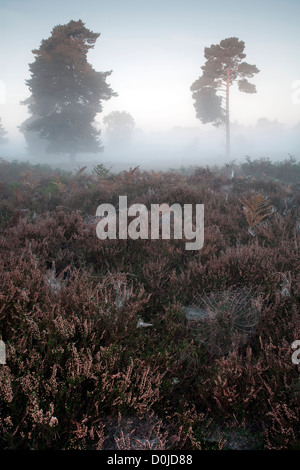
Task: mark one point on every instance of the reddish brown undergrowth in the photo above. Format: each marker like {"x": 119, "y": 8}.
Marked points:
{"x": 81, "y": 374}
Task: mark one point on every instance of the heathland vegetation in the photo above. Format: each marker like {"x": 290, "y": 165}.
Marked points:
{"x": 102, "y": 350}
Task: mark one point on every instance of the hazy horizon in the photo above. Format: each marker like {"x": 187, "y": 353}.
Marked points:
{"x": 155, "y": 52}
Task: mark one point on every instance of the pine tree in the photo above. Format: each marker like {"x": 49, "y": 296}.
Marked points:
{"x": 66, "y": 92}
{"x": 224, "y": 66}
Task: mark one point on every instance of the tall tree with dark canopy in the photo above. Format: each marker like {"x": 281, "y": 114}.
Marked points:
{"x": 223, "y": 67}
{"x": 66, "y": 92}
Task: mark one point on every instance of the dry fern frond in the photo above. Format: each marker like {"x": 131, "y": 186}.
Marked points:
{"x": 256, "y": 209}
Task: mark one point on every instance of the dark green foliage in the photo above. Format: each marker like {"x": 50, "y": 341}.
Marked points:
{"x": 209, "y": 107}
{"x": 226, "y": 55}
{"x": 66, "y": 92}
{"x": 223, "y": 67}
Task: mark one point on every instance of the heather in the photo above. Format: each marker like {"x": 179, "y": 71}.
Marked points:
{"x": 80, "y": 371}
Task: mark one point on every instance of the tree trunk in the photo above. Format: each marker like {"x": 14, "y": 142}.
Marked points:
{"x": 227, "y": 117}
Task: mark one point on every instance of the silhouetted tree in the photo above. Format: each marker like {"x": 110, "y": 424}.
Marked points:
{"x": 120, "y": 125}
{"x": 66, "y": 92}
{"x": 35, "y": 144}
{"x": 3, "y": 133}
{"x": 224, "y": 65}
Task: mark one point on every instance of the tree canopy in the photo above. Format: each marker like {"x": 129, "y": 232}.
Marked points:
{"x": 66, "y": 92}
{"x": 120, "y": 125}
{"x": 224, "y": 66}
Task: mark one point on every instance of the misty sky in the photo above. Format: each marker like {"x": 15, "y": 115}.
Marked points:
{"x": 155, "y": 50}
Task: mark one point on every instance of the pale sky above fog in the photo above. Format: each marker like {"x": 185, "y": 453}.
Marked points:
{"x": 155, "y": 50}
